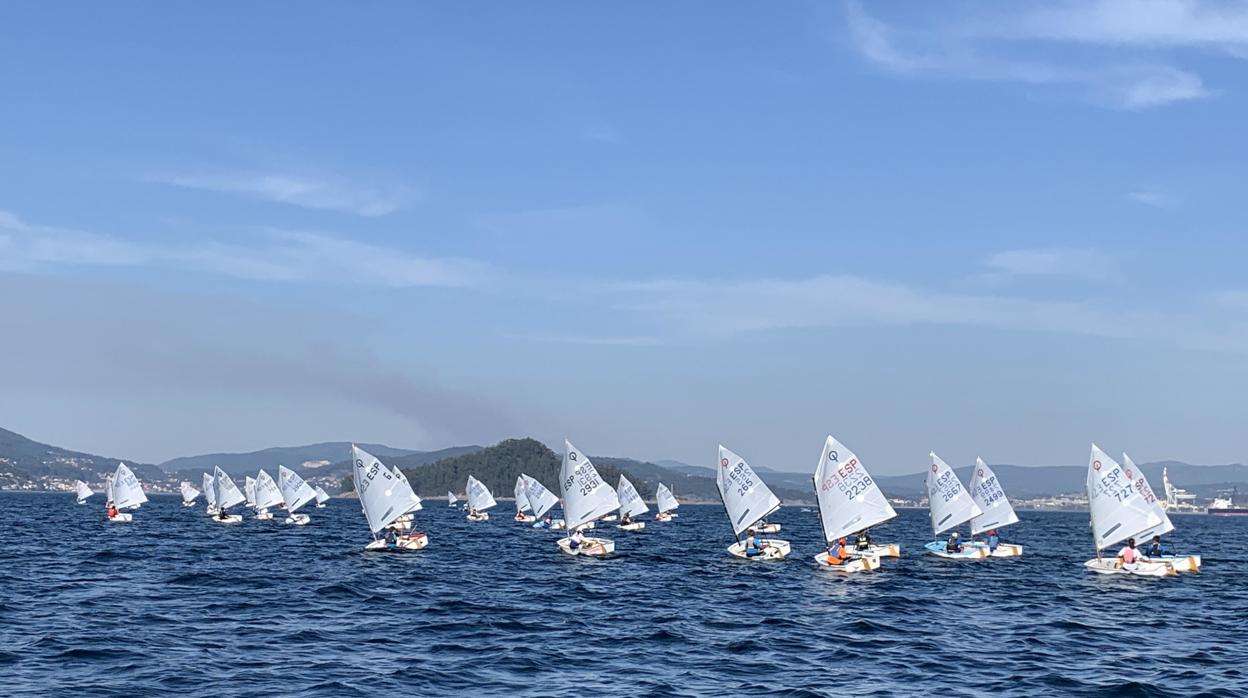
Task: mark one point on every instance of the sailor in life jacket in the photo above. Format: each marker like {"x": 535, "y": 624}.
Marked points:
{"x": 953, "y": 545}
{"x": 1157, "y": 548}
{"x": 1129, "y": 555}
{"x": 993, "y": 540}
{"x": 838, "y": 554}
{"x": 575, "y": 540}
{"x": 112, "y": 510}
{"x": 862, "y": 541}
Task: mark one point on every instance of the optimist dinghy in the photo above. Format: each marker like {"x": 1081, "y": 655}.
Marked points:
{"x": 540, "y": 501}
{"x": 321, "y": 497}
{"x": 666, "y": 503}
{"x": 384, "y": 496}
{"x": 189, "y": 494}
{"x": 479, "y": 499}
{"x": 522, "y": 502}
{"x": 747, "y": 499}
{"x": 210, "y": 494}
{"x": 950, "y": 506}
{"x": 1119, "y": 511}
{"x": 268, "y": 496}
{"x": 586, "y": 497}
{"x": 631, "y": 506}
{"x": 998, "y": 513}
{"x": 84, "y": 491}
{"x": 849, "y": 501}
{"x": 1180, "y": 563}
{"x": 124, "y": 492}
{"x": 295, "y": 494}
{"x": 227, "y": 495}
{"x": 451, "y": 499}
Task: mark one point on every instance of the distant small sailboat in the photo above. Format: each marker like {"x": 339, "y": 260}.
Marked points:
{"x": 227, "y": 495}
{"x": 666, "y": 503}
{"x": 479, "y": 499}
{"x": 540, "y": 500}
{"x": 210, "y": 494}
{"x": 295, "y": 494}
{"x": 522, "y": 502}
{"x": 268, "y": 496}
{"x": 124, "y": 492}
{"x": 631, "y": 506}
{"x": 997, "y": 513}
{"x": 189, "y": 494}
{"x": 249, "y": 491}
{"x": 385, "y": 496}
{"x": 1180, "y": 563}
{"x": 747, "y": 500}
{"x": 1119, "y": 511}
{"x": 849, "y": 501}
{"x": 950, "y": 506}
{"x": 83, "y": 490}
{"x": 586, "y": 498}
{"x": 321, "y": 497}
{"x": 451, "y": 499}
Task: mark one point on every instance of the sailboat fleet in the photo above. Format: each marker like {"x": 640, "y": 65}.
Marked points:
{"x": 1122, "y": 506}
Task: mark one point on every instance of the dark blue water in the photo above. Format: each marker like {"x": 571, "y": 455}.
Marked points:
{"x": 175, "y": 603}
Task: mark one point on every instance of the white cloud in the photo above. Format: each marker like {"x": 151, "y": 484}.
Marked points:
{"x": 1052, "y": 262}
{"x": 316, "y": 192}
{"x": 278, "y": 255}
{"x": 1151, "y": 198}
{"x": 957, "y": 54}
{"x": 1184, "y": 23}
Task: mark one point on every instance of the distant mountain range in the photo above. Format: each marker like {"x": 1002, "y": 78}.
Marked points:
{"x": 28, "y": 464}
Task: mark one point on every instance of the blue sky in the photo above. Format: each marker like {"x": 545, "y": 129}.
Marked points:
{"x": 967, "y": 227}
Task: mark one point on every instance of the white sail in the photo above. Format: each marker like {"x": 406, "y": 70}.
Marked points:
{"x": 540, "y": 499}
{"x": 210, "y": 490}
{"x": 1145, "y": 490}
{"x": 585, "y": 496}
{"x": 227, "y": 492}
{"x": 383, "y": 496}
{"x": 415, "y": 503}
{"x": 83, "y": 490}
{"x": 1118, "y": 510}
{"x": 522, "y": 502}
{"x": 295, "y": 492}
{"x": 321, "y": 495}
{"x": 268, "y": 494}
{"x": 249, "y": 491}
{"x": 108, "y": 489}
{"x": 947, "y": 500}
{"x": 127, "y": 492}
{"x": 479, "y": 496}
{"x": 663, "y": 497}
{"x": 746, "y": 497}
{"x": 987, "y": 492}
{"x": 451, "y": 498}
{"x": 631, "y": 503}
{"x": 849, "y": 500}
{"x": 189, "y": 493}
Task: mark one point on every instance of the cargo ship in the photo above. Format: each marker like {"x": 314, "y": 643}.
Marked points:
{"x": 1229, "y": 506}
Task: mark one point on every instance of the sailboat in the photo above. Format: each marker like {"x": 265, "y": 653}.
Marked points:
{"x": 321, "y": 497}
{"x": 631, "y": 505}
{"x": 540, "y": 500}
{"x": 1180, "y": 563}
{"x": 522, "y": 502}
{"x": 384, "y": 497}
{"x": 227, "y": 495}
{"x": 666, "y": 502}
{"x": 990, "y": 497}
{"x": 249, "y": 491}
{"x": 950, "y": 506}
{"x": 479, "y": 499}
{"x": 295, "y": 494}
{"x": 849, "y": 501}
{"x": 451, "y": 499}
{"x": 747, "y": 499}
{"x": 268, "y": 496}
{"x": 189, "y": 493}
{"x": 210, "y": 494}
{"x": 83, "y": 490}
{"x": 125, "y": 492}
{"x": 586, "y": 497}
{"x": 1119, "y": 511}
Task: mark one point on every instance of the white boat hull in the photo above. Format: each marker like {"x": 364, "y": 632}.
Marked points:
{"x": 525, "y": 518}
{"x": 773, "y": 549}
{"x": 415, "y": 541}
{"x": 1180, "y": 563}
{"x": 664, "y": 517}
{"x": 483, "y": 516}
{"x": 1112, "y": 565}
{"x": 1003, "y": 549}
{"x": 768, "y": 528}
{"x": 188, "y": 504}
{"x": 882, "y": 550}
{"x": 634, "y": 526}
{"x": 121, "y": 518}
{"x": 858, "y": 564}
{"x": 320, "y": 506}
{"x": 264, "y": 515}
{"x": 609, "y": 518}
{"x": 229, "y": 519}
{"x": 298, "y": 519}
{"x": 593, "y": 547}
{"x": 968, "y": 552}
{"x": 82, "y": 502}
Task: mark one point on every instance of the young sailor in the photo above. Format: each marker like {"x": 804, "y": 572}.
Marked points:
{"x": 838, "y": 554}
{"x": 1156, "y": 548}
{"x": 862, "y": 541}
{"x": 993, "y": 540}
{"x": 112, "y": 510}
{"x": 754, "y": 545}
{"x": 1129, "y": 555}
{"x": 953, "y": 545}
{"x": 576, "y": 539}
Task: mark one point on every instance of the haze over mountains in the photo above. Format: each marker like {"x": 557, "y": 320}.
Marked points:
{"x": 27, "y": 463}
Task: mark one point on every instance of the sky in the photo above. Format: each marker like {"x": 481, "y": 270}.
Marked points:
{"x": 1003, "y": 230}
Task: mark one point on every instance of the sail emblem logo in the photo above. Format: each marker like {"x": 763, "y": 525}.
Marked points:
{"x": 935, "y": 467}
{"x": 571, "y": 455}
{"x": 980, "y": 472}
{"x": 723, "y": 462}
{"x": 1096, "y": 465}
{"x": 832, "y": 456}
{"x": 1129, "y": 476}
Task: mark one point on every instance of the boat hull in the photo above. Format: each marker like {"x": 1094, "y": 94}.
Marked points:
{"x": 591, "y": 547}
{"x": 525, "y": 518}
{"x": 121, "y": 518}
{"x": 415, "y": 541}
{"x": 229, "y": 519}
{"x": 1112, "y": 565}
{"x": 483, "y": 516}
{"x": 664, "y": 517}
{"x": 188, "y": 504}
{"x": 555, "y": 525}
{"x": 769, "y": 528}
{"x": 1003, "y": 549}
{"x": 298, "y": 519}
{"x": 265, "y": 515}
{"x": 969, "y": 552}
{"x": 634, "y": 526}
{"x": 1180, "y": 563}
{"x": 773, "y": 549}
{"x": 882, "y": 550}
{"x": 866, "y": 563}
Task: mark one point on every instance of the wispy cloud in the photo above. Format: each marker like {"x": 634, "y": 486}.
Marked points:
{"x": 276, "y": 255}
{"x": 317, "y": 192}
{"x": 1083, "y": 263}
{"x": 1151, "y": 198}
{"x": 1148, "y": 23}
{"x": 958, "y": 53}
